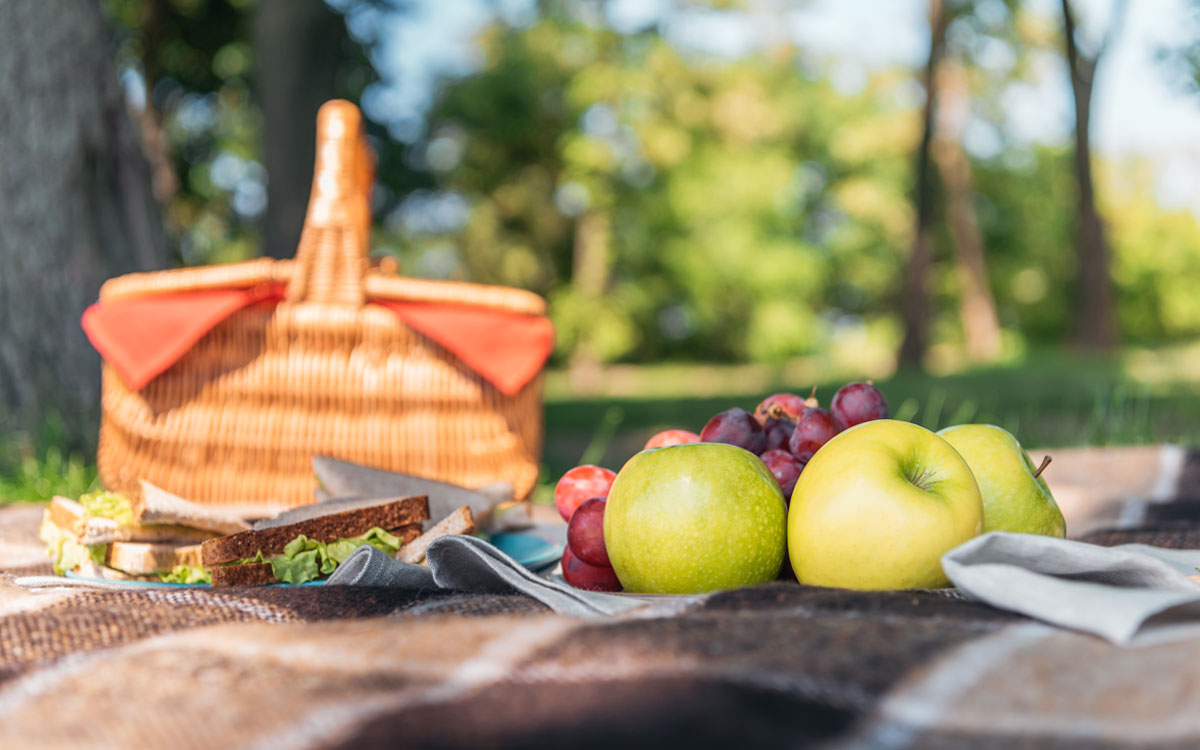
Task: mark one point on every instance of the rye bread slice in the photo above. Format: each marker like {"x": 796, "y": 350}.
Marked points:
{"x": 337, "y": 506}
{"x": 325, "y": 522}
{"x": 249, "y": 574}
{"x": 260, "y": 574}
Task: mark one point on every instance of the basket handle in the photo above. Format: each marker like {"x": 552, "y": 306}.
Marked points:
{"x": 331, "y": 257}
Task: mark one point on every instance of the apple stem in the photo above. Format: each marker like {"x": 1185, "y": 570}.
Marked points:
{"x": 1045, "y": 462}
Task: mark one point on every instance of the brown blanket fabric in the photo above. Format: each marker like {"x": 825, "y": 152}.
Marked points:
{"x": 774, "y": 666}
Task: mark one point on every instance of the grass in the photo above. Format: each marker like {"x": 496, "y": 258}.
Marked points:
{"x": 29, "y": 476}
{"x": 1050, "y": 399}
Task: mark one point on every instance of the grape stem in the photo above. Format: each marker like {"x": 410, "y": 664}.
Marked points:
{"x": 811, "y": 402}
{"x": 1045, "y": 462}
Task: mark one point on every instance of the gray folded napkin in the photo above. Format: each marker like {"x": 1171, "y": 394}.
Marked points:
{"x": 1114, "y": 592}
{"x": 468, "y": 564}
{"x": 345, "y": 479}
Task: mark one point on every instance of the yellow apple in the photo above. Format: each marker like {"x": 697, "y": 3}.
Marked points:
{"x": 878, "y": 506}
{"x": 1015, "y": 496}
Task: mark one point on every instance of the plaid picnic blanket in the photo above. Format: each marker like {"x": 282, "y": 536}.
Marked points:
{"x": 778, "y": 665}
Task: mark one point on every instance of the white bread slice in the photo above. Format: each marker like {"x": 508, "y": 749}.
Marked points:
{"x": 157, "y": 506}
{"x": 68, "y": 516}
{"x": 458, "y": 522}
{"x": 142, "y": 559}
{"x": 106, "y": 531}
{"x": 159, "y": 516}
{"x": 90, "y": 569}
{"x": 65, "y": 513}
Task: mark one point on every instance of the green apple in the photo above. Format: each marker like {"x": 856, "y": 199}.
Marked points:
{"x": 1015, "y": 497}
{"x": 878, "y": 506}
{"x": 687, "y": 519}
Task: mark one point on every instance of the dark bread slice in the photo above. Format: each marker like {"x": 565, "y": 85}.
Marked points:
{"x": 260, "y": 574}
{"x": 407, "y": 532}
{"x": 398, "y": 514}
{"x": 250, "y": 574}
{"x": 338, "y": 506}
{"x": 322, "y": 523}
{"x": 405, "y": 516}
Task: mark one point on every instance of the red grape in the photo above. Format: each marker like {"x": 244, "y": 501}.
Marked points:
{"x": 671, "y": 437}
{"x": 855, "y": 403}
{"x": 585, "y": 532}
{"x": 735, "y": 427}
{"x": 786, "y": 469}
{"x": 782, "y": 405}
{"x": 591, "y": 577}
{"x": 779, "y": 431}
{"x": 815, "y": 427}
{"x": 579, "y": 484}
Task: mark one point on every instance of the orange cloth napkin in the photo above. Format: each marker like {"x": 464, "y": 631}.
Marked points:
{"x": 507, "y": 349}
{"x": 143, "y": 337}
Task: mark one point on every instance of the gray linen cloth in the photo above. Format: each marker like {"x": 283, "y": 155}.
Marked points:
{"x": 1114, "y": 592}
{"x": 467, "y": 564}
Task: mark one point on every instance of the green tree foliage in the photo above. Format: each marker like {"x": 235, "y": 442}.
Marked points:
{"x": 1156, "y": 259}
{"x": 188, "y": 67}
{"x": 1024, "y": 200}
{"x": 749, "y": 208}
{"x": 669, "y": 205}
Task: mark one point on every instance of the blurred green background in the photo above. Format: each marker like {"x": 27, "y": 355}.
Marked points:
{"x": 710, "y": 220}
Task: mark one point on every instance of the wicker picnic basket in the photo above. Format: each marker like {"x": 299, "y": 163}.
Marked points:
{"x": 238, "y": 418}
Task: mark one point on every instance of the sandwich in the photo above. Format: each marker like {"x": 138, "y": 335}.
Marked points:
{"x": 153, "y": 536}
{"x": 308, "y": 543}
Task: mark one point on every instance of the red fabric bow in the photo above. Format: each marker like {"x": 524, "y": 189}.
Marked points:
{"x": 141, "y": 338}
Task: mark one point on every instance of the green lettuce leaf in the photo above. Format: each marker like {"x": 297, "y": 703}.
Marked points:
{"x": 108, "y": 505}
{"x": 305, "y": 559}
{"x": 302, "y": 567}
{"x": 67, "y": 553}
{"x": 340, "y": 549}
{"x": 186, "y": 574}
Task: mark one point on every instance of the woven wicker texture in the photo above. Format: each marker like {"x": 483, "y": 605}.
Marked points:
{"x": 238, "y": 419}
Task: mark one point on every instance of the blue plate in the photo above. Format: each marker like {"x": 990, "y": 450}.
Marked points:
{"x": 531, "y": 551}
{"x": 151, "y": 584}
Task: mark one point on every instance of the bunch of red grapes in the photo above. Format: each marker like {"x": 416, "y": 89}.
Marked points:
{"x": 581, "y": 496}
{"x": 785, "y": 431}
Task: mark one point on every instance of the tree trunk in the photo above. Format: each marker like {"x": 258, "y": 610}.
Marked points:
{"x": 1095, "y": 318}
{"x": 297, "y": 49}
{"x": 977, "y": 307}
{"x": 916, "y": 305}
{"x": 77, "y": 208}
{"x": 593, "y": 235}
